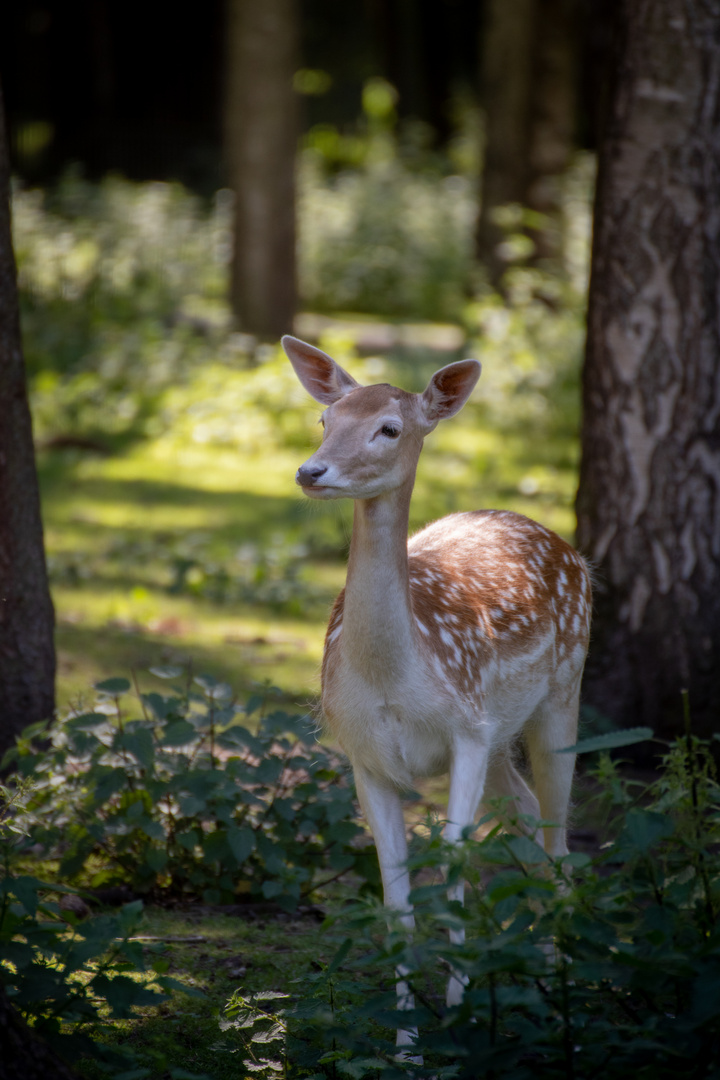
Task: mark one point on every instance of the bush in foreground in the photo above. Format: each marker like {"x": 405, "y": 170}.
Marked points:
{"x": 172, "y": 797}
{"x": 581, "y": 967}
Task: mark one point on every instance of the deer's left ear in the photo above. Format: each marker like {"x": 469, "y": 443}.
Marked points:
{"x": 449, "y": 389}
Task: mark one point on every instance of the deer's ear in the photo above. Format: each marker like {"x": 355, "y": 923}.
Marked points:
{"x": 323, "y": 379}
{"x": 449, "y": 389}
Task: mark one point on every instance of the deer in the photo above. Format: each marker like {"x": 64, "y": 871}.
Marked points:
{"x": 442, "y": 650}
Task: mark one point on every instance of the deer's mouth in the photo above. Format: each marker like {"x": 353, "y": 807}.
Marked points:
{"x": 319, "y": 491}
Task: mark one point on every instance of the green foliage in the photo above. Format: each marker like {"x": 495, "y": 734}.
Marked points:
{"x": 575, "y": 967}
{"x": 123, "y": 286}
{"x": 170, "y": 795}
{"x": 65, "y": 977}
{"x": 265, "y": 1031}
{"x": 393, "y": 243}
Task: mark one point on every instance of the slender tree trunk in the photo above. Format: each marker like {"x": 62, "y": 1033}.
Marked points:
{"x": 553, "y": 108}
{"x": 649, "y": 497}
{"x": 506, "y": 89}
{"x": 27, "y": 654}
{"x": 261, "y": 132}
{"x": 529, "y": 94}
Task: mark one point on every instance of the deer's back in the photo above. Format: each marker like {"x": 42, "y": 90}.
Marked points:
{"x": 490, "y": 584}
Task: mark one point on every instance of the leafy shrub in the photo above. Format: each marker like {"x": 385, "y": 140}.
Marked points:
{"x": 576, "y": 967}
{"x": 391, "y": 242}
{"x": 183, "y": 800}
{"x": 64, "y": 977}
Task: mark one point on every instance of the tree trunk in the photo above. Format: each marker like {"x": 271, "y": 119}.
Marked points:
{"x": 261, "y": 133}
{"x": 506, "y": 90}
{"x": 27, "y": 653}
{"x": 553, "y": 108}
{"x": 529, "y": 94}
{"x": 649, "y": 497}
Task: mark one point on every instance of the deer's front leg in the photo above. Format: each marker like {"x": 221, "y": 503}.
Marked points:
{"x": 382, "y": 808}
{"x": 467, "y": 780}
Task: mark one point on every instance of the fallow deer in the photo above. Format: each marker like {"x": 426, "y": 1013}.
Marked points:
{"x": 441, "y": 651}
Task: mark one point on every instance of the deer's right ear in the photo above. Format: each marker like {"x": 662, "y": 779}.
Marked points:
{"x": 323, "y": 379}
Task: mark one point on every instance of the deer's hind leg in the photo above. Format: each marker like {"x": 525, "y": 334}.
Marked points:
{"x": 505, "y": 781}
{"x": 553, "y": 727}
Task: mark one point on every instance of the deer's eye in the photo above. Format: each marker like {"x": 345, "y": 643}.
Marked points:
{"x": 390, "y": 431}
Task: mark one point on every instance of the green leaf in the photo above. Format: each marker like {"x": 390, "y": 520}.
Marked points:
{"x": 215, "y": 846}
{"x": 526, "y": 850}
{"x": 109, "y": 784}
{"x": 610, "y": 741}
{"x": 170, "y": 671}
{"x": 157, "y": 859}
{"x": 178, "y": 733}
{"x": 25, "y": 888}
{"x": 271, "y": 889}
{"x": 340, "y": 956}
{"x": 188, "y": 839}
{"x": 238, "y": 736}
{"x": 644, "y": 829}
{"x": 268, "y": 771}
{"x": 190, "y": 805}
{"x": 577, "y": 859}
{"x": 123, "y": 994}
{"x": 113, "y": 686}
{"x": 160, "y": 706}
{"x": 241, "y": 841}
{"x": 86, "y": 720}
{"x": 140, "y": 744}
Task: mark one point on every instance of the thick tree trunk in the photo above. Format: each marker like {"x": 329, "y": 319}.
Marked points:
{"x": 261, "y": 133}
{"x": 529, "y": 95}
{"x": 649, "y": 497}
{"x": 27, "y": 654}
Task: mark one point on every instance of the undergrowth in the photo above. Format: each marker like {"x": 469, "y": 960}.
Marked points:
{"x": 590, "y": 965}
{"x": 188, "y": 795}
{"x": 577, "y": 967}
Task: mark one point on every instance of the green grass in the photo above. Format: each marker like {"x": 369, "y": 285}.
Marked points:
{"x": 216, "y": 953}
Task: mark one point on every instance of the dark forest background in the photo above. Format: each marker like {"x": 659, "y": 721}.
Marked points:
{"x": 138, "y": 88}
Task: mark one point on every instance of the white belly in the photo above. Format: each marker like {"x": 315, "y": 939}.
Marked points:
{"x": 408, "y": 728}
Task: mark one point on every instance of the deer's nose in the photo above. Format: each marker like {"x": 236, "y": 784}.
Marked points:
{"x": 306, "y": 477}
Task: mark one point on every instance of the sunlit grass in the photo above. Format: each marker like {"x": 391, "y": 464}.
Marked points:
{"x": 215, "y": 954}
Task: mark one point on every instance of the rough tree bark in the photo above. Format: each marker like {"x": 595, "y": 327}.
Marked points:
{"x": 261, "y": 133}
{"x": 27, "y": 653}
{"x": 649, "y": 496}
{"x": 529, "y": 95}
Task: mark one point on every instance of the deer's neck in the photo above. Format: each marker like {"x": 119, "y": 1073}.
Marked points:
{"x": 378, "y": 630}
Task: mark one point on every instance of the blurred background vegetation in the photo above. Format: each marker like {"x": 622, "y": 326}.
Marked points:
{"x": 168, "y": 426}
